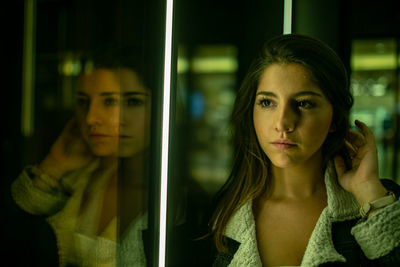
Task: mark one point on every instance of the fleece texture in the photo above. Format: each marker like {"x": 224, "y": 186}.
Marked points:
{"x": 76, "y": 244}
{"x": 377, "y": 236}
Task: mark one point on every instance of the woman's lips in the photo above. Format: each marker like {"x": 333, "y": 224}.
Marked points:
{"x": 99, "y": 136}
{"x": 283, "y": 144}
{"x": 124, "y": 137}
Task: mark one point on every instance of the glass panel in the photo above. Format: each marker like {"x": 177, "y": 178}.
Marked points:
{"x": 215, "y": 41}
{"x": 213, "y": 80}
{"x": 77, "y": 191}
{"x": 374, "y": 86}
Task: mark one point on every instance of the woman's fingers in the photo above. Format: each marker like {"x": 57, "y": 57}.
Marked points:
{"x": 72, "y": 128}
{"x": 350, "y": 146}
{"x": 356, "y": 138}
{"x": 365, "y": 131}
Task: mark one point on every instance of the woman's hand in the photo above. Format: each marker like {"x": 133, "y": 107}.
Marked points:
{"x": 362, "y": 179}
{"x": 69, "y": 152}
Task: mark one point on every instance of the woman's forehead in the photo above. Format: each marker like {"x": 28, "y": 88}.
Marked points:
{"x": 287, "y": 78}
{"x": 108, "y": 80}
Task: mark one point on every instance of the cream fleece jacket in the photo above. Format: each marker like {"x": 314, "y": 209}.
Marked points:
{"x": 64, "y": 216}
{"x": 377, "y": 236}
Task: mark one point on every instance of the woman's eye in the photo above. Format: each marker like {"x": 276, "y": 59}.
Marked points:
{"x": 265, "y": 103}
{"x": 305, "y": 104}
{"x": 134, "y": 102}
{"x": 110, "y": 101}
{"x": 82, "y": 102}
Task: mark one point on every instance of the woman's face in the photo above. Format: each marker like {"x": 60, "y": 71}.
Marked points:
{"x": 292, "y": 117}
{"x": 114, "y": 112}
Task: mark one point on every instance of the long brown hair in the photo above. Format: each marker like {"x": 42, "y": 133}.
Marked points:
{"x": 249, "y": 176}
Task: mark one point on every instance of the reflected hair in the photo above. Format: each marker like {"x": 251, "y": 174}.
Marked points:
{"x": 249, "y": 175}
{"x": 132, "y": 56}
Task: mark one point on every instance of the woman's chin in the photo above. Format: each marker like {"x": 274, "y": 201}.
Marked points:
{"x": 104, "y": 153}
{"x": 129, "y": 152}
{"x": 283, "y": 162}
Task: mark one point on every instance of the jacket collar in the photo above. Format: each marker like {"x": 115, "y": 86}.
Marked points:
{"x": 320, "y": 249}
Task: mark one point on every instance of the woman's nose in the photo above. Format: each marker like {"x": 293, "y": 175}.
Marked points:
{"x": 286, "y": 119}
{"x": 122, "y": 115}
{"x": 93, "y": 115}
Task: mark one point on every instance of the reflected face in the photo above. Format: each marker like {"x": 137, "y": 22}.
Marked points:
{"x": 291, "y": 115}
{"x": 114, "y": 112}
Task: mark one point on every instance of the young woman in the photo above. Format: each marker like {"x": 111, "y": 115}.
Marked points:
{"x": 304, "y": 189}
{"x": 91, "y": 188}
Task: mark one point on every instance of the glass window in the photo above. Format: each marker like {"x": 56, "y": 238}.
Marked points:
{"x": 374, "y": 83}
{"x": 214, "y": 42}
{"x": 78, "y": 190}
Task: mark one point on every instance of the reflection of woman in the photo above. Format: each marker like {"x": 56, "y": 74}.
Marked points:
{"x": 76, "y": 187}
{"x": 300, "y": 175}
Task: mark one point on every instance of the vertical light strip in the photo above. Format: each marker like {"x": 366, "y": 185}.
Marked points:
{"x": 28, "y": 60}
{"x": 287, "y": 17}
{"x": 165, "y": 133}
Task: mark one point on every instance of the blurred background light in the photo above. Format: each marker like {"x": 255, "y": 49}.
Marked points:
{"x": 70, "y": 66}
{"x": 214, "y": 64}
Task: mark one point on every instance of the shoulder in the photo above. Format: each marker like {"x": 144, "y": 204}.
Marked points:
{"x": 240, "y": 239}
{"x": 241, "y": 223}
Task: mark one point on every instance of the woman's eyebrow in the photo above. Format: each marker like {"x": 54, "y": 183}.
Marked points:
{"x": 302, "y": 93}
{"x": 266, "y": 93}
{"x": 115, "y": 93}
{"x": 81, "y": 93}
{"x": 305, "y": 93}
{"x": 109, "y": 93}
{"x": 135, "y": 93}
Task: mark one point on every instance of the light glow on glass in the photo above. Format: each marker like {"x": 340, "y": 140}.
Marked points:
{"x": 287, "y": 17}
{"x": 165, "y": 133}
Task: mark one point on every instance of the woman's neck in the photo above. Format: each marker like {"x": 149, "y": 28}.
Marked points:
{"x": 131, "y": 172}
{"x": 135, "y": 169}
{"x": 133, "y": 166}
{"x": 108, "y": 162}
{"x": 298, "y": 182}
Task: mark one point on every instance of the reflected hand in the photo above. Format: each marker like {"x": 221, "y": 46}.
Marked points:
{"x": 69, "y": 152}
{"x": 362, "y": 179}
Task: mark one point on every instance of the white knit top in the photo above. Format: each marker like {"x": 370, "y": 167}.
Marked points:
{"x": 76, "y": 243}
{"x": 376, "y": 236}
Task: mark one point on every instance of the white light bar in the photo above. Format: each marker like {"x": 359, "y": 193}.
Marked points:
{"x": 165, "y": 133}
{"x": 287, "y": 17}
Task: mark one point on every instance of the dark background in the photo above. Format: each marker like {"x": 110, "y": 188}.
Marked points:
{"x": 74, "y": 25}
